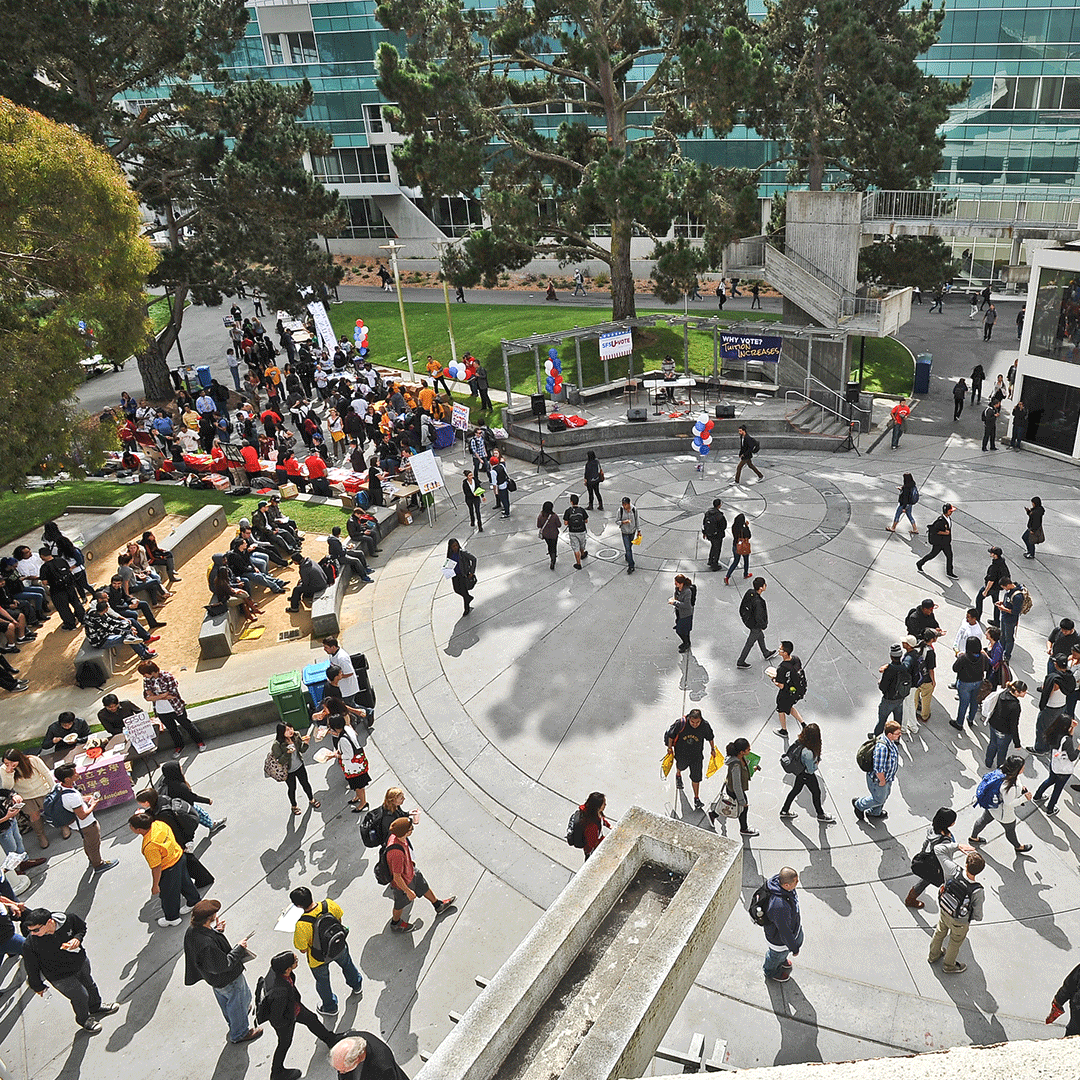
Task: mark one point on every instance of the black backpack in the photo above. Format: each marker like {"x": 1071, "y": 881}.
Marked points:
{"x": 327, "y": 934}
{"x": 467, "y": 561}
{"x": 926, "y": 865}
{"x": 556, "y": 423}
{"x": 955, "y": 896}
{"x": 575, "y": 519}
{"x": 693, "y": 595}
{"x": 910, "y": 625}
{"x": 755, "y": 446}
{"x": 791, "y": 759}
{"x": 759, "y": 905}
{"x": 575, "y": 829}
{"x": 262, "y": 1004}
{"x": 746, "y": 608}
{"x": 371, "y": 828}
{"x": 798, "y": 684}
{"x": 383, "y": 873}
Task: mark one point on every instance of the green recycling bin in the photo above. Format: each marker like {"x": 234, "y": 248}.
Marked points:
{"x": 288, "y": 693}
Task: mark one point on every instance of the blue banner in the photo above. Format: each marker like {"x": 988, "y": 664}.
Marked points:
{"x": 742, "y": 347}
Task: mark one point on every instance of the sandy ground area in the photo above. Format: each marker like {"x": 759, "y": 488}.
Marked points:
{"x": 48, "y": 661}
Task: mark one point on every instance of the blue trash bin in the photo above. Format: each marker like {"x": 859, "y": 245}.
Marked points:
{"x": 315, "y": 681}
{"x": 203, "y": 374}
{"x": 924, "y": 362}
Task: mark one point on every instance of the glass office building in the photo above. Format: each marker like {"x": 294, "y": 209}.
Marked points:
{"x": 1019, "y": 129}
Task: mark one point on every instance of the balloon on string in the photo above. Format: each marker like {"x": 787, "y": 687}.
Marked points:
{"x": 550, "y": 384}
{"x": 707, "y": 440}
{"x": 549, "y": 367}
{"x": 553, "y": 353}
{"x": 703, "y": 419}
{"x": 704, "y": 450}
{"x": 359, "y": 322}
{"x": 556, "y": 363}
{"x": 697, "y": 443}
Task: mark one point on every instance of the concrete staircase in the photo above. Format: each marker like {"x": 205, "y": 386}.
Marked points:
{"x": 812, "y": 419}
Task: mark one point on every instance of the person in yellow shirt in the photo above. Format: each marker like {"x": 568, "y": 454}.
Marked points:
{"x": 435, "y": 371}
{"x": 426, "y": 396}
{"x": 168, "y": 865}
{"x": 321, "y": 924}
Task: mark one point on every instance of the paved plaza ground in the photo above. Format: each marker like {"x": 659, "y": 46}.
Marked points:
{"x": 560, "y": 683}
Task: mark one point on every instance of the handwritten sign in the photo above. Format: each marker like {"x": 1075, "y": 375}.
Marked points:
{"x": 139, "y": 729}
{"x": 459, "y": 418}
{"x": 322, "y": 324}
{"x": 425, "y": 468}
{"x": 742, "y": 347}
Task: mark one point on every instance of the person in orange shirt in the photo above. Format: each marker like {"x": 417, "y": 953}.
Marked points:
{"x": 901, "y": 411}
{"x": 168, "y": 865}
{"x": 435, "y": 371}
{"x": 426, "y": 396}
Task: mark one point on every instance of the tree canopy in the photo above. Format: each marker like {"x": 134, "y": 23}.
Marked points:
{"x": 72, "y": 259}
{"x": 842, "y": 94}
{"x": 926, "y": 261}
{"x": 221, "y": 163}
{"x": 568, "y": 114}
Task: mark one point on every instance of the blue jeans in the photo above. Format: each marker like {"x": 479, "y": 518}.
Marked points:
{"x": 14, "y": 946}
{"x": 257, "y": 577}
{"x": 11, "y": 839}
{"x": 114, "y": 641}
{"x": 774, "y": 957}
{"x": 998, "y": 749}
{"x": 1028, "y": 544}
{"x": 235, "y": 1003}
{"x": 903, "y": 510}
{"x": 897, "y": 431}
{"x": 628, "y": 547}
{"x": 967, "y": 702}
{"x": 889, "y": 707}
{"x": 872, "y": 803}
{"x": 1008, "y": 636}
{"x": 321, "y": 974}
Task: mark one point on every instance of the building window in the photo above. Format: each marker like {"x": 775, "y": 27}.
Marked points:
{"x": 296, "y": 48}
{"x": 457, "y": 216}
{"x": 1053, "y": 411}
{"x": 1055, "y": 327}
{"x": 373, "y": 116}
{"x": 690, "y": 227}
{"x": 353, "y": 165}
{"x": 365, "y": 221}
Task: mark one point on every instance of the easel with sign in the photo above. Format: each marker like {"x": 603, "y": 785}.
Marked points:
{"x": 429, "y": 479}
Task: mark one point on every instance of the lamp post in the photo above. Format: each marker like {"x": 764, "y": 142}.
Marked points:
{"x": 440, "y": 246}
{"x": 394, "y": 247}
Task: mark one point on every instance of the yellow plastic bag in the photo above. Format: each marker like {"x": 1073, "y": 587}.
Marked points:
{"x": 637, "y": 540}
{"x": 665, "y": 765}
{"x": 716, "y": 760}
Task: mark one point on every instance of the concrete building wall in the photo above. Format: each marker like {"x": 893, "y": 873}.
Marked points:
{"x": 824, "y": 227}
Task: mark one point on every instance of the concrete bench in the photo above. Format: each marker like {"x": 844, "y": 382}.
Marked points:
{"x": 194, "y": 533}
{"x": 326, "y": 606}
{"x": 218, "y": 631}
{"x": 101, "y": 662}
{"x": 103, "y": 538}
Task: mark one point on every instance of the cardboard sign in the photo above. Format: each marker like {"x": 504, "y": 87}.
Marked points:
{"x": 460, "y": 417}
{"x": 139, "y": 729}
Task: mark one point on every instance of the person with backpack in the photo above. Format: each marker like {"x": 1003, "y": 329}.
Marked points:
{"x": 576, "y": 518}
{"x": 754, "y": 613}
{"x": 593, "y": 822}
{"x": 740, "y": 547}
{"x": 940, "y": 536}
{"x": 683, "y": 601}
{"x": 907, "y": 497}
{"x": 402, "y": 873}
{"x": 900, "y": 412}
{"x": 996, "y": 573}
{"x": 686, "y": 739}
{"x": 1059, "y": 736}
{"x": 924, "y": 693}
{"x": 279, "y": 1004}
{"x": 629, "y": 530}
{"x": 971, "y": 669}
{"x": 897, "y": 678}
{"x": 748, "y": 447}
{"x": 321, "y": 936}
{"x": 1003, "y": 719}
{"x": 959, "y": 396}
{"x": 713, "y": 529}
{"x": 594, "y": 476}
{"x": 960, "y": 903}
{"x": 209, "y": 958}
{"x": 463, "y": 578}
{"x": 500, "y": 481}
{"x": 66, "y": 806}
{"x": 1011, "y": 606}
{"x": 803, "y": 756}
{"x": 998, "y": 795}
{"x": 1053, "y": 695}
{"x": 288, "y": 751}
{"x": 790, "y": 678}
{"x": 782, "y": 922}
{"x": 935, "y": 861}
{"x": 883, "y": 766}
{"x": 375, "y": 824}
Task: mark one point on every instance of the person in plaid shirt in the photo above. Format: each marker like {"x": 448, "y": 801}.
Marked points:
{"x": 880, "y": 779}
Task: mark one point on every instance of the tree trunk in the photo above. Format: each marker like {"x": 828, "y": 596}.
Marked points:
{"x": 157, "y": 385}
{"x": 623, "y": 297}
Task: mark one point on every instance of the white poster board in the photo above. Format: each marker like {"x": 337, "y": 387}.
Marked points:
{"x": 139, "y": 729}
{"x": 322, "y": 324}
{"x": 617, "y": 343}
{"x": 459, "y": 418}
{"x": 425, "y": 467}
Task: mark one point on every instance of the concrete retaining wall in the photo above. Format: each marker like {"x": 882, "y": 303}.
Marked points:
{"x": 128, "y": 523}
{"x": 195, "y": 532}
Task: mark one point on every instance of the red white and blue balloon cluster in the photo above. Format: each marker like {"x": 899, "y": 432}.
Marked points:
{"x": 553, "y": 367}
{"x": 703, "y": 434}
{"x": 360, "y": 336}
{"x": 456, "y": 370}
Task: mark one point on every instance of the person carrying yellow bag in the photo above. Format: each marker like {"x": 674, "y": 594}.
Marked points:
{"x": 716, "y": 761}
{"x": 686, "y": 740}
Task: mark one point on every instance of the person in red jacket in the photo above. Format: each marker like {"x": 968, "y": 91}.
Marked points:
{"x": 593, "y": 821}
{"x": 316, "y": 470}
{"x": 295, "y": 472}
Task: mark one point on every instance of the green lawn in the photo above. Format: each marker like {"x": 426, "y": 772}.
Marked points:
{"x": 25, "y": 511}
{"x": 480, "y": 328}
{"x": 888, "y": 366}
{"x": 158, "y": 313}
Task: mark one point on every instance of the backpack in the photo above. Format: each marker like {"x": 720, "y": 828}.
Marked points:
{"x": 326, "y": 564}
{"x": 55, "y": 812}
{"x": 912, "y": 665}
{"x": 327, "y": 934}
{"x": 989, "y": 703}
{"x": 988, "y": 793}
{"x": 926, "y": 865}
{"x": 758, "y": 908}
{"x": 556, "y": 423}
{"x": 1025, "y": 607}
{"x": 511, "y": 484}
{"x": 914, "y": 495}
{"x": 467, "y": 562}
{"x": 755, "y": 446}
{"x": 909, "y": 623}
{"x": 746, "y": 608}
{"x": 575, "y": 830}
{"x": 864, "y": 756}
{"x": 370, "y": 828}
{"x": 90, "y": 675}
{"x": 955, "y": 896}
{"x": 383, "y": 874}
{"x": 792, "y": 759}
{"x": 262, "y": 1005}
{"x": 361, "y": 499}
{"x": 693, "y": 595}
{"x": 798, "y": 684}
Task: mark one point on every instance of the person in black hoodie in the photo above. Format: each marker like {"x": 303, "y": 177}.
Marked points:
{"x": 783, "y": 931}
{"x": 54, "y": 953}
{"x": 209, "y": 958}
{"x": 754, "y": 613}
{"x": 282, "y": 1006}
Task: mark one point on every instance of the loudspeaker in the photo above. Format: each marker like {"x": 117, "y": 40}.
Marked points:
{"x": 725, "y": 411}
{"x": 539, "y": 405}
{"x": 635, "y": 413}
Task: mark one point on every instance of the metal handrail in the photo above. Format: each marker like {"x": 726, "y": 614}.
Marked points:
{"x": 812, "y": 385}
{"x": 962, "y": 205}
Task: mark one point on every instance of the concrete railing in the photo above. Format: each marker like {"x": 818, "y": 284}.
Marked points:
{"x": 104, "y": 538}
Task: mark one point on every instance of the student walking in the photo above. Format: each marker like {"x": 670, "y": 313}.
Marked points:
{"x": 959, "y": 394}
{"x": 405, "y": 877}
{"x": 629, "y": 530}
{"x": 464, "y": 576}
{"x": 754, "y": 613}
{"x": 740, "y": 547}
{"x": 548, "y": 527}
{"x": 748, "y": 447}
{"x": 989, "y": 318}
{"x": 1062, "y": 761}
{"x": 940, "y": 536}
{"x": 283, "y": 1008}
{"x": 900, "y": 412}
{"x": 576, "y": 519}
{"x": 683, "y": 601}
{"x": 594, "y": 477}
{"x": 936, "y": 861}
{"x": 1003, "y": 721}
{"x": 686, "y": 739}
{"x": 790, "y": 681}
{"x": 908, "y": 496}
{"x": 880, "y": 776}
{"x": 737, "y": 783}
{"x": 320, "y": 935}
{"x": 977, "y": 378}
{"x": 714, "y": 529}
{"x": 783, "y": 925}
{"x": 998, "y": 795}
{"x": 960, "y": 902}
{"x": 806, "y": 754}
